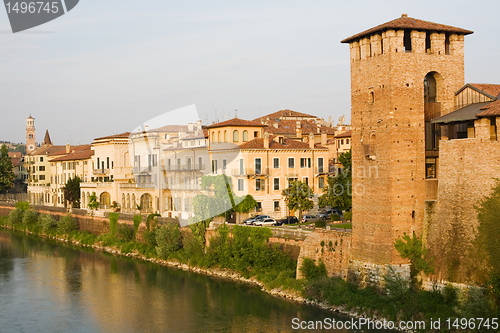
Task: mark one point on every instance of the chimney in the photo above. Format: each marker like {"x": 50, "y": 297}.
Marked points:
{"x": 311, "y": 140}
{"x": 299, "y": 132}
{"x": 146, "y": 128}
{"x": 266, "y": 140}
{"x": 275, "y": 125}
{"x": 297, "y": 124}
{"x": 323, "y": 139}
{"x": 68, "y": 148}
{"x": 198, "y": 125}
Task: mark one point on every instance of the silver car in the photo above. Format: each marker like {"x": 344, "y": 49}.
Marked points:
{"x": 267, "y": 222}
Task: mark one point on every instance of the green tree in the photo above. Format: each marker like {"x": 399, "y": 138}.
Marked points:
{"x": 222, "y": 202}
{"x": 488, "y": 238}
{"x": 93, "y": 203}
{"x": 298, "y": 197}
{"x": 72, "y": 192}
{"x": 6, "y": 172}
{"x": 338, "y": 192}
{"x": 412, "y": 248}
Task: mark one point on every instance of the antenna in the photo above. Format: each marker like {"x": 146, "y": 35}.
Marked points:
{"x": 235, "y": 113}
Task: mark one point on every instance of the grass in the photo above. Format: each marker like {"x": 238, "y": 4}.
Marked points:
{"x": 342, "y": 225}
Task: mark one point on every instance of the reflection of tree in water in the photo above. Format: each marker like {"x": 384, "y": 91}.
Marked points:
{"x": 73, "y": 269}
{"x": 6, "y": 258}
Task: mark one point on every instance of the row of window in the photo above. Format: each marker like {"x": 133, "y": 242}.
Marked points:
{"x": 222, "y": 136}
{"x": 260, "y": 184}
{"x": 103, "y": 164}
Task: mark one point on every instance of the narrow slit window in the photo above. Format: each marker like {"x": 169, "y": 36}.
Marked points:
{"x": 407, "y": 41}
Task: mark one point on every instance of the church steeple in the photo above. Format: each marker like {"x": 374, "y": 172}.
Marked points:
{"x": 47, "y": 140}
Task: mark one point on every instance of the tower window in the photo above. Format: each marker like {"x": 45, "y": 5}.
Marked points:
{"x": 428, "y": 41}
{"x": 447, "y": 44}
{"x": 407, "y": 41}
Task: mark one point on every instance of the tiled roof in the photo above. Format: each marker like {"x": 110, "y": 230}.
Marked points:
{"x": 77, "y": 155}
{"x": 171, "y": 128}
{"x": 285, "y": 113}
{"x": 236, "y": 122}
{"x": 196, "y": 135}
{"x": 492, "y": 109}
{"x": 13, "y": 154}
{"x": 347, "y": 134}
{"x": 405, "y": 22}
{"x": 289, "y": 127}
{"x": 46, "y": 150}
{"x": 62, "y": 150}
{"x": 490, "y": 89}
{"x": 287, "y": 144}
{"x": 121, "y": 135}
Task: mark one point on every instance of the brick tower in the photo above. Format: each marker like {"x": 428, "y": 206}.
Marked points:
{"x": 403, "y": 73}
{"x": 30, "y": 134}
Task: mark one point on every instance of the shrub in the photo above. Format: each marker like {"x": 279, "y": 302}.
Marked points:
{"x": 47, "y": 222}
{"x": 335, "y": 217}
{"x": 125, "y": 232}
{"x": 137, "y": 223}
{"x": 16, "y": 217}
{"x": 168, "y": 240}
{"x": 193, "y": 247}
{"x": 396, "y": 286}
{"x": 30, "y": 217}
{"x": 312, "y": 271}
{"x": 348, "y": 216}
{"x": 67, "y": 224}
{"x": 113, "y": 223}
{"x": 320, "y": 224}
{"x": 22, "y": 205}
{"x": 150, "y": 237}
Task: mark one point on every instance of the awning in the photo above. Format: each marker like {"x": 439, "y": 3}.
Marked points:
{"x": 466, "y": 113}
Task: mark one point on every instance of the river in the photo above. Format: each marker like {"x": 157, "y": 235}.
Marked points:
{"x": 47, "y": 286}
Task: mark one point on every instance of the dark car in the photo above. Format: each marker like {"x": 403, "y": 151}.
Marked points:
{"x": 287, "y": 220}
{"x": 326, "y": 214}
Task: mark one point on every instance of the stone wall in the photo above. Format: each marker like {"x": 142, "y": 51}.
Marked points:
{"x": 330, "y": 246}
{"x": 466, "y": 173}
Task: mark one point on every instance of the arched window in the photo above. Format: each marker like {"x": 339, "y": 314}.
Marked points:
{"x": 31, "y": 136}
{"x": 128, "y": 200}
{"x": 372, "y": 97}
{"x": 235, "y": 136}
{"x": 432, "y": 109}
{"x": 218, "y": 136}
{"x": 213, "y": 136}
{"x": 430, "y": 89}
{"x": 245, "y": 136}
{"x": 105, "y": 200}
{"x": 134, "y": 203}
{"x": 225, "y": 136}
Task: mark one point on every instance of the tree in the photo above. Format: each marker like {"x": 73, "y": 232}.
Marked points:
{"x": 223, "y": 202}
{"x": 93, "y": 203}
{"x": 338, "y": 193}
{"x": 72, "y": 192}
{"x": 412, "y": 248}
{"x": 6, "y": 172}
{"x": 298, "y": 195}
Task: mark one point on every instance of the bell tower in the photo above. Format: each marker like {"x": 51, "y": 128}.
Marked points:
{"x": 30, "y": 134}
{"x": 403, "y": 73}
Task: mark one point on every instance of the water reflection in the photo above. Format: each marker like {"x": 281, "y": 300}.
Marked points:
{"x": 46, "y": 286}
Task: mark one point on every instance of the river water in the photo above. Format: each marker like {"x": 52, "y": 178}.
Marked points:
{"x": 50, "y": 287}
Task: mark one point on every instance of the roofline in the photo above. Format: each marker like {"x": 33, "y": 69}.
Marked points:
{"x": 470, "y": 85}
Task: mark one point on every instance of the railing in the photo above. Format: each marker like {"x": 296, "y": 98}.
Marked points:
{"x": 137, "y": 170}
{"x": 320, "y": 169}
{"x": 101, "y": 171}
{"x": 184, "y": 187}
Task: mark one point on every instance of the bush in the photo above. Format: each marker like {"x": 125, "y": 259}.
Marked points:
{"x": 125, "y": 232}
{"x": 30, "y": 217}
{"x": 310, "y": 271}
{"x": 150, "y": 237}
{"x": 113, "y": 223}
{"x": 47, "y": 222}
{"x": 320, "y": 224}
{"x": 348, "y": 216}
{"x": 67, "y": 224}
{"x": 22, "y": 205}
{"x": 16, "y": 217}
{"x": 137, "y": 223}
{"x": 168, "y": 240}
{"x": 335, "y": 217}
{"x": 193, "y": 247}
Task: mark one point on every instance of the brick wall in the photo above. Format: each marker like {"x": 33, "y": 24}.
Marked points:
{"x": 332, "y": 247}
{"x": 467, "y": 169}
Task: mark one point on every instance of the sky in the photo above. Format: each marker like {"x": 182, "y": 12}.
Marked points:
{"x": 108, "y": 66}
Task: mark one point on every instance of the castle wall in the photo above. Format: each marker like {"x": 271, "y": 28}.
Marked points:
{"x": 467, "y": 169}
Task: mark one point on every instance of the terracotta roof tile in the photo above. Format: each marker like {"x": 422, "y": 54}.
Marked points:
{"x": 490, "y": 89}
{"x": 408, "y": 23}
{"x": 62, "y": 151}
{"x": 46, "y": 150}
{"x": 347, "y": 134}
{"x": 121, "y": 135}
{"x": 289, "y": 127}
{"x": 285, "y": 113}
{"x": 77, "y": 155}
{"x": 236, "y": 122}
{"x": 287, "y": 144}
{"x": 492, "y": 109}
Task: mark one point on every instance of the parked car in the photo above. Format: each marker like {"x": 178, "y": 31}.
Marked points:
{"x": 288, "y": 220}
{"x": 309, "y": 218}
{"x": 327, "y": 213}
{"x": 267, "y": 222}
{"x": 252, "y": 220}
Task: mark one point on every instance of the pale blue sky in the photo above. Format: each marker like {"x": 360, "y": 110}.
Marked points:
{"x": 107, "y": 66}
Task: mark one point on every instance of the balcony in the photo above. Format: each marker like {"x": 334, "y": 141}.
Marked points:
{"x": 251, "y": 172}
{"x": 184, "y": 187}
{"x": 101, "y": 171}
{"x": 320, "y": 170}
{"x": 185, "y": 168}
{"x": 139, "y": 170}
